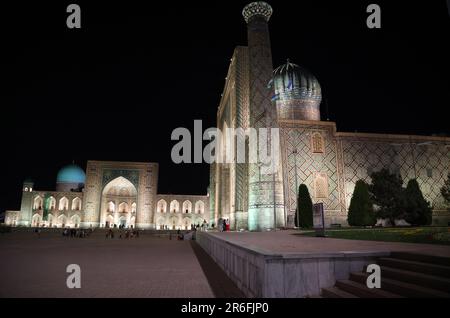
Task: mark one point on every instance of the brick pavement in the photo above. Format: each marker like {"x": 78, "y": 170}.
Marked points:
{"x": 143, "y": 267}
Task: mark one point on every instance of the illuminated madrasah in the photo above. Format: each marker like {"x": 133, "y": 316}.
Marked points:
{"x": 312, "y": 151}
{"x": 109, "y": 194}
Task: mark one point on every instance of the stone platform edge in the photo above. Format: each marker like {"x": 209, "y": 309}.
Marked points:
{"x": 262, "y": 273}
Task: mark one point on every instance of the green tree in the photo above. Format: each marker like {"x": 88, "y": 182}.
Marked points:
{"x": 388, "y": 194}
{"x": 445, "y": 190}
{"x": 304, "y": 207}
{"x": 360, "y": 211}
{"x": 418, "y": 210}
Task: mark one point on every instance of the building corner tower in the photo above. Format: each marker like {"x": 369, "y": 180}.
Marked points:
{"x": 26, "y": 211}
{"x": 266, "y": 203}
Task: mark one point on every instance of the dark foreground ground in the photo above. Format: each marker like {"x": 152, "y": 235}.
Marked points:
{"x": 147, "y": 266}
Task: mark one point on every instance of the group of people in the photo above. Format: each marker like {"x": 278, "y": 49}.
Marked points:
{"x": 203, "y": 227}
{"x": 128, "y": 233}
{"x": 81, "y": 233}
{"x": 224, "y": 225}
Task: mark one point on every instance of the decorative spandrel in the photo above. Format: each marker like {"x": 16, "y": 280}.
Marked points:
{"x": 130, "y": 175}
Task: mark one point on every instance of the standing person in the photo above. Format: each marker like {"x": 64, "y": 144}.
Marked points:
{"x": 220, "y": 224}
{"x": 224, "y": 225}
{"x": 228, "y": 225}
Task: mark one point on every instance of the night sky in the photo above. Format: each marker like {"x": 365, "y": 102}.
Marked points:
{"x": 116, "y": 88}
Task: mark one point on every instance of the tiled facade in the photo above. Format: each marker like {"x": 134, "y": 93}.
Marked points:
{"x": 115, "y": 193}
{"x": 312, "y": 151}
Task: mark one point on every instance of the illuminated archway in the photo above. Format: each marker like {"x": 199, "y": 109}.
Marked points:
{"x": 75, "y": 220}
{"x": 199, "y": 207}
{"x": 162, "y": 206}
{"x": 118, "y": 202}
{"x": 76, "y": 204}
{"x": 187, "y": 207}
{"x": 186, "y": 223}
{"x": 174, "y": 206}
{"x": 62, "y": 220}
{"x": 37, "y": 204}
{"x": 36, "y": 220}
{"x": 52, "y": 203}
{"x": 63, "y": 204}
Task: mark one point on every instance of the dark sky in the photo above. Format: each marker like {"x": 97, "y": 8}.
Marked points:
{"x": 116, "y": 89}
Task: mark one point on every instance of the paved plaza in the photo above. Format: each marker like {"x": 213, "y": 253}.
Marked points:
{"x": 140, "y": 267}
{"x": 150, "y": 266}
{"x": 286, "y": 242}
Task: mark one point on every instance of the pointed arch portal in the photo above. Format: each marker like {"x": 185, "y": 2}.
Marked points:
{"x": 119, "y": 203}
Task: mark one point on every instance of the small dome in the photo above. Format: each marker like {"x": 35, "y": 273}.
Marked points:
{"x": 297, "y": 93}
{"x": 71, "y": 174}
{"x": 294, "y": 82}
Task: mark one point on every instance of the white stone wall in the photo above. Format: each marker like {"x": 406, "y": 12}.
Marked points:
{"x": 180, "y": 219}
{"x": 264, "y": 274}
{"x": 68, "y": 216}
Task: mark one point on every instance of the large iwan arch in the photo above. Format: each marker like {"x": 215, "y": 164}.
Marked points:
{"x": 117, "y": 198}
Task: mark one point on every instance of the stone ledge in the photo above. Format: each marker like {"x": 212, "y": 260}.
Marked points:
{"x": 262, "y": 273}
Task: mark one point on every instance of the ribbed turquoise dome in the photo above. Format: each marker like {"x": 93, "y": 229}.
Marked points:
{"x": 71, "y": 174}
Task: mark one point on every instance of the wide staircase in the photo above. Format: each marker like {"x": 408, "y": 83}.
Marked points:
{"x": 402, "y": 275}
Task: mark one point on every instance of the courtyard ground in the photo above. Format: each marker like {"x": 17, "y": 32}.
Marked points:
{"x": 142, "y": 267}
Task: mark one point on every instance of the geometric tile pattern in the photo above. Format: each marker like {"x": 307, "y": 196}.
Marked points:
{"x": 429, "y": 163}
{"x": 242, "y": 121}
{"x": 350, "y": 157}
{"x": 301, "y": 165}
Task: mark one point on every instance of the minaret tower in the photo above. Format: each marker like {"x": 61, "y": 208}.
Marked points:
{"x": 26, "y": 204}
{"x": 265, "y": 188}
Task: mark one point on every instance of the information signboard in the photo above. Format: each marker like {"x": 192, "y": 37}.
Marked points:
{"x": 319, "y": 219}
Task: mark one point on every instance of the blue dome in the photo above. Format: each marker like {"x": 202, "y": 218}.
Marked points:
{"x": 71, "y": 174}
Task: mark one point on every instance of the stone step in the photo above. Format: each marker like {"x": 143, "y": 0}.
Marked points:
{"x": 334, "y": 292}
{"x": 413, "y": 266}
{"x": 401, "y": 288}
{"x": 315, "y": 296}
{"x": 423, "y": 258}
{"x": 426, "y": 280}
{"x": 361, "y": 290}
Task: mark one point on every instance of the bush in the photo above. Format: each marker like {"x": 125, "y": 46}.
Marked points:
{"x": 360, "y": 212}
{"x": 445, "y": 190}
{"x": 418, "y": 210}
{"x": 387, "y": 192}
{"x": 305, "y": 207}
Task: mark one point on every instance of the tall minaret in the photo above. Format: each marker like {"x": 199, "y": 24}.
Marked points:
{"x": 265, "y": 189}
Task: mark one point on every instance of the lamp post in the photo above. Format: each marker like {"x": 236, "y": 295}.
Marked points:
{"x": 413, "y": 156}
{"x": 274, "y": 204}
